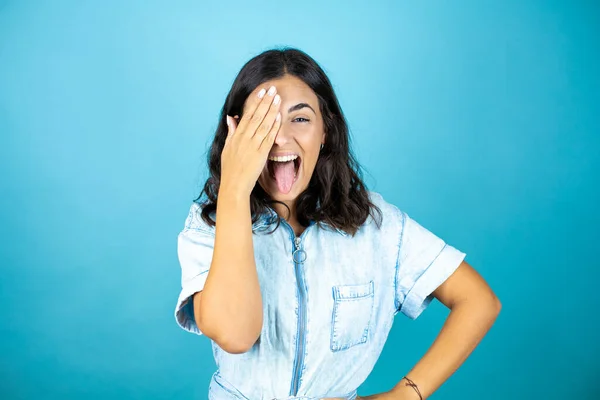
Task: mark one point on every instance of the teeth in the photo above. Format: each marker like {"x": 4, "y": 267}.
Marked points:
{"x": 284, "y": 158}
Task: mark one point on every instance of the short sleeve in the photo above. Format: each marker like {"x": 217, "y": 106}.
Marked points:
{"x": 195, "y": 244}
{"x": 424, "y": 262}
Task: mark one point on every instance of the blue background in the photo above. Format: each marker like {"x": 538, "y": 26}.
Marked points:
{"x": 478, "y": 118}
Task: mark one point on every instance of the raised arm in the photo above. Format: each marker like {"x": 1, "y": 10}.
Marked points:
{"x": 229, "y": 308}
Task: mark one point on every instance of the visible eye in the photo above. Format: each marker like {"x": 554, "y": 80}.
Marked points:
{"x": 305, "y": 119}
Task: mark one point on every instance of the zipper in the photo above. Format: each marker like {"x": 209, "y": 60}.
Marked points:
{"x": 298, "y": 256}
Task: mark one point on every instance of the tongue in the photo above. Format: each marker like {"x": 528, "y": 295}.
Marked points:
{"x": 284, "y": 175}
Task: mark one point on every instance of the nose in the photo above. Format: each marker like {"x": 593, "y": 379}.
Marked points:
{"x": 283, "y": 136}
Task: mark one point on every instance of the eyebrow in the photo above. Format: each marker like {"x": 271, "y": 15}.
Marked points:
{"x": 300, "y": 106}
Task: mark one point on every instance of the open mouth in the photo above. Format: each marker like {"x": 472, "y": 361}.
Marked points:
{"x": 284, "y": 171}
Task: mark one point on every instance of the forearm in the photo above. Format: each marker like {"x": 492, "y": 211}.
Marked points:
{"x": 231, "y": 307}
{"x": 464, "y": 328}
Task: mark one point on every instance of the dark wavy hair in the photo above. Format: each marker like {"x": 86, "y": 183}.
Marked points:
{"x": 336, "y": 194}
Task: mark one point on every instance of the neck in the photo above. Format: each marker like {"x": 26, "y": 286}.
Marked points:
{"x": 283, "y": 212}
{"x": 289, "y": 217}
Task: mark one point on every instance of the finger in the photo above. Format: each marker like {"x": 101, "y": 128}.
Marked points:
{"x": 267, "y": 123}
{"x": 252, "y": 104}
{"x": 268, "y": 141}
{"x": 254, "y": 120}
{"x": 231, "y": 126}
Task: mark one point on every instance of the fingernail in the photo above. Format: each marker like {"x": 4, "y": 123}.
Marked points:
{"x": 272, "y": 90}
{"x": 278, "y": 117}
{"x": 276, "y": 99}
{"x": 227, "y": 120}
{"x": 261, "y": 94}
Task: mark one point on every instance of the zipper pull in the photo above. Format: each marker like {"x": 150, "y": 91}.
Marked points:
{"x": 299, "y": 255}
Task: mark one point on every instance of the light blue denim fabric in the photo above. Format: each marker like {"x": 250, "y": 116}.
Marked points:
{"x": 329, "y": 300}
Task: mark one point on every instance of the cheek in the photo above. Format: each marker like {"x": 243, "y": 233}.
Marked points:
{"x": 309, "y": 137}
{"x": 311, "y": 149}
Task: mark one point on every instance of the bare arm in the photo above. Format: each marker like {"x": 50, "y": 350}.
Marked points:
{"x": 474, "y": 308}
{"x": 229, "y": 308}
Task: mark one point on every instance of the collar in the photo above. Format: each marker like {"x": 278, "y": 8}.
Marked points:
{"x": 270, "y": 217}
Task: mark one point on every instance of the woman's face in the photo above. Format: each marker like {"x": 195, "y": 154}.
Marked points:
{"x": 300, "y": 135}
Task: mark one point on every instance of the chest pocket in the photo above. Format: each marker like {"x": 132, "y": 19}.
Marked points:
{"x": 352, "y": 308}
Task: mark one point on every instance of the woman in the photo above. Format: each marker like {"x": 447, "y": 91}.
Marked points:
{"x": 297, "y": 271}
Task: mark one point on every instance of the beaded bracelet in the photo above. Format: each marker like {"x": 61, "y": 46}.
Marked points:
{"x": 414, "y": 386}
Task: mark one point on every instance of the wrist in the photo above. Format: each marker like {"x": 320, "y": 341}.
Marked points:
{"x": 408, "y": 389}
{"x": 232, "y": 194}
{"x": 405, "y": 393}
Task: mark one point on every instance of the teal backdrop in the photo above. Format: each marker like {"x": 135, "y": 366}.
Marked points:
{"x": 478, "y": 118}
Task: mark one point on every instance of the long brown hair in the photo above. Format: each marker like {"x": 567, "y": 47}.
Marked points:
{"x": 336, "y": 193}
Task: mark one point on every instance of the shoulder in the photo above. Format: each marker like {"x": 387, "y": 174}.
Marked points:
{"x": 387, "y": 208}
{"x": 391, "y": 215}
{"x": 377, "y": 199}
{"x": 194, "y": 220}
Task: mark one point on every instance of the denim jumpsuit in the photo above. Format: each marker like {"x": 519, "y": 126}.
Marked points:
{"x": 329, "y": 300}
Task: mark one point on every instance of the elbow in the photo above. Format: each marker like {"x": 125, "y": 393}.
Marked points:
{"x": 491, "y": 308}
{"x": 492, "y": 302}
{"x": 233, "y": 334}
{"x": 231, "y": 343}
{"x": 486, "y": 305}
{"x": 235, "y": 345}
{"x": 497, "y": 305}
